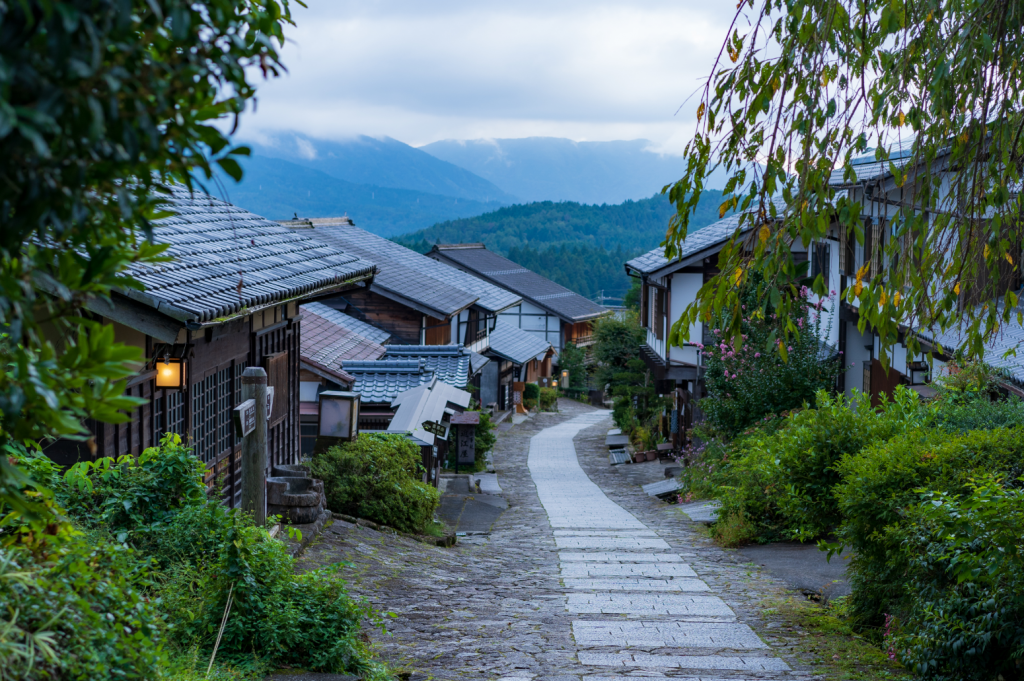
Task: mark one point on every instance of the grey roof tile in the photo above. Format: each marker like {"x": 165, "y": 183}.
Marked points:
{"x": 409, "y": 274}
{"x": 450, "y": 363}
{"x": 381, "y": 381}
{"x": 510, "y": 342}
{"x": 227, "y": 260}
{"x": 715, "y": 234}
{"x": 328, "y": 341}
{"x": 539, "y": 290}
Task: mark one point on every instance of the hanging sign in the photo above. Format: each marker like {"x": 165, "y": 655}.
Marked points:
{"x": 434, "y": 428}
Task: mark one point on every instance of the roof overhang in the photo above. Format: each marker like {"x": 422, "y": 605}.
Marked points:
{"x": 336, "y": 375}
{"x": 414, "y": 305}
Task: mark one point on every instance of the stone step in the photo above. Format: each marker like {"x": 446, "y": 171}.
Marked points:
{"x": 658, "y": 634}
{"x": 715, "y": 662}
{"x": 627, "y": 570}
{"x": 635, "y": 543}
{"x": 613, "y": 557}
{"x": 650, "y": 604}
{"x": 636, "y": 584}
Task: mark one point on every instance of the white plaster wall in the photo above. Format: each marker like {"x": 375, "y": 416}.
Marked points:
{"x": 684, "y": 292}
{"x": 856, "y": 354}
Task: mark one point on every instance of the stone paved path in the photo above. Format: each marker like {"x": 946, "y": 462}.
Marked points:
{"x": 583, "y": 577}
{"x": 691, "y": 632}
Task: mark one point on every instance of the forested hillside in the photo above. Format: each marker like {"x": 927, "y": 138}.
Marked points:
{"x": 582, "y": 247}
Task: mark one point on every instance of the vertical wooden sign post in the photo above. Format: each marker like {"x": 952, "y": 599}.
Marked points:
{"x": 254, "y": 445}
{"x": 465, "y": 437}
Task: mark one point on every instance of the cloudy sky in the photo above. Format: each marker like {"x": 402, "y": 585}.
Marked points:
{"x": 459, "y": 69}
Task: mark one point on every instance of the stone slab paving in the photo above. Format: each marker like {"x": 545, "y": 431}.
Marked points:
{"x": 578, "y": 569}
{"x": 495, "y": 607}
{"x": 565, "y": 556}
{"x": 648, "y": 604}
{"x": 625, "y": 584}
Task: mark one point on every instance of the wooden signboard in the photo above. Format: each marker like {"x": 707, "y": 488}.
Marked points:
{"x": 245, "y": 418}
{"x": 434, "y": 428}
{"x": 466, "y": 444}
{"x": 244, "y": 415}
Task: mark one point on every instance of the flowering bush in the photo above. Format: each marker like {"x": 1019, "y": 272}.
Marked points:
{"x": 757, "y": 375}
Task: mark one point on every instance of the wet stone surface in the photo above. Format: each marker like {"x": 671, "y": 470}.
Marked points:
{"x": 613, "y": 584}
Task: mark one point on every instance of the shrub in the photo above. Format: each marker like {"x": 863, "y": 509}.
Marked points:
{"x": 958, "y": 411}
{"x": 134, "y": 494}
{"x": 187, "y": 553}
{"x": 878, "y": 487}
{"x": 756, "y": 374}
{"x": 304, "y": 620}
{"x": 377, "y": 476}
{"x": 548, "y": 398}
{"x": 76, "y": 609}
{"x": 966, "y": 571}
{"x": 574, "y": 360}
{"x": 531, "y": 391}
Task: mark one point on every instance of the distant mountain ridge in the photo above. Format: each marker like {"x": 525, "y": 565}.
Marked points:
{"x": 383, "y": 162}
{"x": 278, "y": 189}
{"x": 557, "y": 169}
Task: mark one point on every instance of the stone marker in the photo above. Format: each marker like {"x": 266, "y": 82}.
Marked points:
{"x": 254, "y": 447}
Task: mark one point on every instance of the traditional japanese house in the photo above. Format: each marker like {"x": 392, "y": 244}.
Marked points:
{"x": 417, "y": 300}
{"x": 228, "y": 300}
{"x": 548, "y": 310}
{"x": 517, "y": 356}
{"x": 329, "y": 339}
{"x": 882, "y": 197}
{"x": 668, "y": 286}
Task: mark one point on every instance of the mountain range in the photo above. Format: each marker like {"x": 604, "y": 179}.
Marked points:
{"x": 555, "y": 169}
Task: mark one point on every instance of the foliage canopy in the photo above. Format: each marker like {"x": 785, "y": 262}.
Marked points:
{"x": 102, "y": 103}
{"x": 933, "y": 88}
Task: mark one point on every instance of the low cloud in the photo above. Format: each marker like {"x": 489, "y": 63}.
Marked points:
{"x": 421, "y": 72}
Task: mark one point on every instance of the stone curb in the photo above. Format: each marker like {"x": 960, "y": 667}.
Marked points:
{"x": 447, "y": 541}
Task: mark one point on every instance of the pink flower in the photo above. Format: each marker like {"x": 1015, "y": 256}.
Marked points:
{"x": 832, "y": 292}
{"x": 734, "y": 375}
{"x": 789, "y": 348}
{"x": 840, "y": 352}
{"x": 800, "y": 323}
{"x": 756, "y": 355}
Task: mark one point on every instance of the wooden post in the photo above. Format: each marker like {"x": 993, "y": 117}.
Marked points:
{"x": 254, "y": 447}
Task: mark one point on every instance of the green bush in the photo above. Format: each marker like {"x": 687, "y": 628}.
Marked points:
{"x": 377, "y": 476}
{"x": 548, "y": 398}
{"x": 76, "y": 608}
{"x": 531, "y": 391}
{"x": 881, "y": 482}
{"x": 959, "y": 411}
{"x": 134, "y": 494}
{"x": 966, "y": 571}
{"x": 156, "y": 567}
{"x": 755, "y": 374}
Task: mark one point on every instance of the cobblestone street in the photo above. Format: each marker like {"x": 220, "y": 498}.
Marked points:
{"x": 584, "y": 576}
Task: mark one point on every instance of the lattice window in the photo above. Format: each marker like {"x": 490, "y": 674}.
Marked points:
{"x": 204, "y": 418}
{"x": 170, "y": 414}
{"x": 239, "y": 369}
{"x": 225, "y": 394}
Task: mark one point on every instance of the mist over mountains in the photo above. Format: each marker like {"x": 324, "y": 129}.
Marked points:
{"x": 392, "y": 188}
{"x": 555, "y": 169}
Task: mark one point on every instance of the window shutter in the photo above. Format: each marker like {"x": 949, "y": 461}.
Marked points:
{"x": 659, "y": 314}
{"x": 276, "y": 366}
{"x": 644, "y": 304}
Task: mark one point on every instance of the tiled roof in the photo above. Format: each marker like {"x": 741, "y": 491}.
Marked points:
{"x": 432, "y": 402}
{"x": 510, "y": 342}
{"x": 381, "y": 381}
{"x": 539, "y": 290}
{"x": 1010, "y": 337}
{"x": 327, "y": 340}
{"x": 228, "y": 260}
{"x": 450, "y": 363}
{"x": 356, "y": 326}
{"x": 442, "y": 289}
{"x": 715, "y": 234}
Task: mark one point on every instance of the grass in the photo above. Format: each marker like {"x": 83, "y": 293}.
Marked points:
{"x": 824, "y": 638}
{"x": 733, "y": 530}
{"x": 434, "y": 529}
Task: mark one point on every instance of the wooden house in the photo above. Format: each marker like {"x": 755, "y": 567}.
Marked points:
{"x": 669, "y": 286}
{"x": 228, "y": 300}
{"x": 548, "y": 310}
{"x": 417, "y": 300}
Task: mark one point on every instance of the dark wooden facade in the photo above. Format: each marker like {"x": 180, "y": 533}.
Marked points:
{"x": 404, "y": 323}
{"x": 201, "y": 412}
